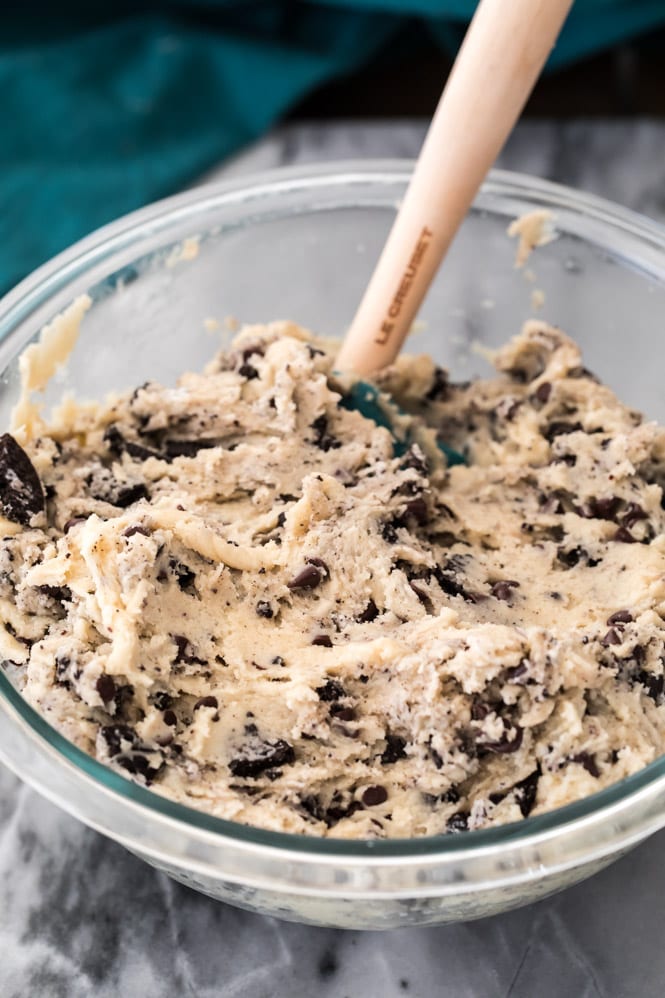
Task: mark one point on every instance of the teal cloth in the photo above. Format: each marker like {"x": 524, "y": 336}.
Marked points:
{"x": 106, "y": 109}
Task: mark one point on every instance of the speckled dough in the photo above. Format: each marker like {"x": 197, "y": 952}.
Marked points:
{"x": 237, "y": 594}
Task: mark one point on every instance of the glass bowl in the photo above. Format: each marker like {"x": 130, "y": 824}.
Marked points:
{"x": 301, "y": 244}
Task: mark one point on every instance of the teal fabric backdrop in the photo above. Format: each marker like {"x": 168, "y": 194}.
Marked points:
{"x": 105, "y": 109}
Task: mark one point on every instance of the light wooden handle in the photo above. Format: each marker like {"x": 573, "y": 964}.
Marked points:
{"x": 505, "y": 48}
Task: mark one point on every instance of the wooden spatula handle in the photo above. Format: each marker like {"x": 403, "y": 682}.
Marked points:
{"x": 505, "y": 48}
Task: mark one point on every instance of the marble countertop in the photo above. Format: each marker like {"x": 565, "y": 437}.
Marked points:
{"x": 80, "y": 917}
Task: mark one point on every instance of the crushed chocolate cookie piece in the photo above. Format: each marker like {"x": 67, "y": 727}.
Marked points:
{"x": 440, "y": 387}
{"x": 416, "y": 509}
{"x": 330, "y": 691}
{"x": 323, "y": 439}
{"x": 264, "y": 609}
{"x": 624, "y": 536}
{"x": 458, "y": 822}
{"x": 394, "y": 750}
{"x": 126, "y": 749}
{"x": 21, "y": 491}
{"x": 588, "y": 762}
{"x": 118, "y": 445}
{"x": 256, "y": 756}
{"x": 559, "y": 428}
{"x": 505, "y": 745}
{"x": 184, "y": 575}
{"x": 369, "y": 614}
{"x": 653, "y": 684}
{"x": 526, "y": 792}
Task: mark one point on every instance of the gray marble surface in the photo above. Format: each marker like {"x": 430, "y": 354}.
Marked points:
{"x": 81, "y": 917}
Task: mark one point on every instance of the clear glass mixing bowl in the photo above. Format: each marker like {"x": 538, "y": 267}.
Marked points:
{"x": 300, "y": 244}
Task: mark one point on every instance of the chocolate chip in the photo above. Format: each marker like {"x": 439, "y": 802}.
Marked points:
{"x": 612, "y": 638}
{"x": 248, "y": 371}
{"x": 458, "y": 822}
{"x": 21, "y": 492}
{"x": 620, "y": 617}
{"x": 264, "y": 609}
{"x": 526, "y": 791}
{"x": 209, "y": 701}
{"x": 136, "y": 529}
{"x": 307, "y": 578}
{"x": 106, "y": 688}
{"x": 258, "y": 756}
{"x": 542, "y": 392}
{"x": 588, "y": 762}
{"x": 624, "y": 536}
{"x": 170, "y": 718}
{"x": 374, "y": 795}
{"x": 502, "y": 590}
{"x": 369, "y": 614}
{"x": 394, "y": 750}
{"x": 72, "y": 523}
{"x": 322, "y": 641}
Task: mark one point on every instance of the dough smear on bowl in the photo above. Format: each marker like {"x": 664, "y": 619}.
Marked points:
{"x": 233, "y": 591}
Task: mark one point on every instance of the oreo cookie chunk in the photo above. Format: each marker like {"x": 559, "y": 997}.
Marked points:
{"x": 21, "y": 491}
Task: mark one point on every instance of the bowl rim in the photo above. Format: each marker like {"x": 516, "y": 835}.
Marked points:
{"x": 37, "y": 287}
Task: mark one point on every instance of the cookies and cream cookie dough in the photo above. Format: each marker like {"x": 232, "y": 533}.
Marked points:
{"x": 235, "y": 592}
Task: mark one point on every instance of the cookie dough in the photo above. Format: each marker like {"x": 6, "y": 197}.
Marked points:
{"x": 235, "y": 592}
